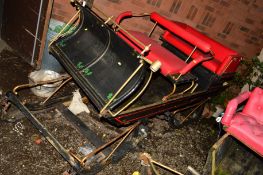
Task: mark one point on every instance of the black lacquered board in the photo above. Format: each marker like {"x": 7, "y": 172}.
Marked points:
{"x": 98, "y": 60}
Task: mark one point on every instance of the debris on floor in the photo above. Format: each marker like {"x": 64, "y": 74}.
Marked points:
{"x": 77, "y": 106}
{"x": 40, "y": 76}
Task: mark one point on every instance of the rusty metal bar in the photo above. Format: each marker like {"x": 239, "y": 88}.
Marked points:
{"x": 201, "y": 103}
{"x": 130, "y": 131}
{"x": 60, "y": 86}
{"x": 23, "y": 86}
{"x": 51, "y": 139}
{"x": 147, "y": 159}
{"x": 97, "y": 150}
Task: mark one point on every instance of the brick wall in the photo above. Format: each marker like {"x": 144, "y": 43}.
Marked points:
{"x": 235, "y": 23}
{"x": 62, "y": 10}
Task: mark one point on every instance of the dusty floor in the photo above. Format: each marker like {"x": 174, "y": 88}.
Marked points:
{"x": 241, "y": 160}
{"x": 20, "y": 154}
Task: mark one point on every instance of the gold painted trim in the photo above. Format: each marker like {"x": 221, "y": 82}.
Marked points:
{"x": 23, "y": 86}
{"x": 192, "y": 84}
{"x": 122, "y": 87}
{"x": 63, "y": 29}
{"x": 165, "y": 98}
{"x": 194, "y": 88}
{"x": 189, "y": 56}
{"x": 146, "y": 48}
{"x": 135, "y": 98}
{"x": 108, "y": 20}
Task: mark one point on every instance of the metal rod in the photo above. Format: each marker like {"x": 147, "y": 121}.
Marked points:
{"x": 182, "y": 109}
{"x": 203, "y": 102}
{"x": 153, "y": 167}
{"x": 30, "y": 33}
{"x": 213, "y": 162}
{"x": 74, "y": 155}
{"x": 61, "y": 85}
{"x": 107, "y": 144}
{"x": 192, "y": 170}
{"x": 63, "y": 29}
{"x": 23, "y": 86}
{"x": 191, "y": 54}
{"x": 194, "y": 88}
{"x": 192, "y": 84}
{"x": 146, "y": 48}
{"x": 150, "y": 33}
{"x": 147, "y": 159}
{"x": 122, "y": 140}
{"x": 165, "y": 98}
{"x": 136, "y": 97}
{"x": 165, "y": 167}
{"x": 37, "y": 31}
{"x": 120, "y": 89}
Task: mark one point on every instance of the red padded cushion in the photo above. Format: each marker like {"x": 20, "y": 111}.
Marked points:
{"x": 232, "y": 107}
{"x": 246, "y": 129}
{"x": 254, "y": 106}
{"x": 225, "y": 60}
{"x": 169, "y": 25}
{"x": 171, "y": 64}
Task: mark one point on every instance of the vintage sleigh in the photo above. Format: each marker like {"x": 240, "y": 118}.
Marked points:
{"x": 128, "y": 76}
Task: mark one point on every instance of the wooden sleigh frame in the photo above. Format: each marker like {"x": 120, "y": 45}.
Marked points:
{"x": 122, "y": 60}
{"x": 125, "y": 81}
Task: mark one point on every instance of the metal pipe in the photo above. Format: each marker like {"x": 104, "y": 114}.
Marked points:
{"x": 37, "y": 31}
{"x": 97, "y": 150}
{"x": 118, "y": 145}
{"x": 51, "y": 95}
{"x": 22, "y": 86}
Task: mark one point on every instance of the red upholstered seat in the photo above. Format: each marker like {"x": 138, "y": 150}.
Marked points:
{"x": 170, "y": 63}
{"x": 254, "y": 106}
{"x": 177, "y": 30}
{"x": 246, "y": 126}
{"x": 225, "y": 60}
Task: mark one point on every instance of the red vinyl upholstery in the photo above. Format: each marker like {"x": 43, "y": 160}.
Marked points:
{"x": 225, "y": 60}
{"x": 171, "y": 64}
{"x": 246, "y": 126}
{"x": 177, "y": 30}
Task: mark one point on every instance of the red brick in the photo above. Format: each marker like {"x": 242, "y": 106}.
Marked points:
{"x": 242, "y": 13}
